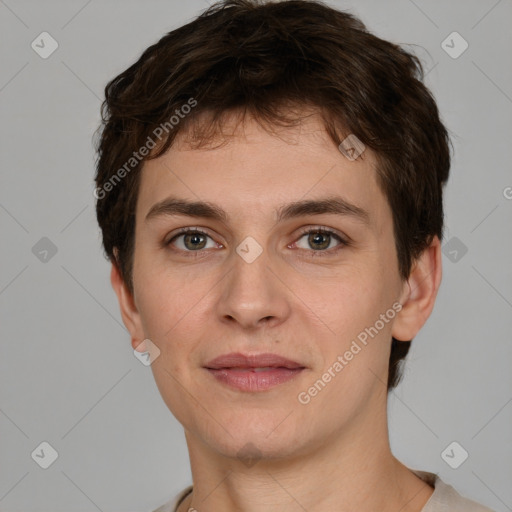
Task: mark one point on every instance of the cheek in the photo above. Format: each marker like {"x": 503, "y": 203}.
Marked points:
{"x": 358, "y": 311}
{"x": 348, "y": 300}
{"x": 168, "y": 298}
{"x": 356, "y": 351}
{"x": 173, "y": 315}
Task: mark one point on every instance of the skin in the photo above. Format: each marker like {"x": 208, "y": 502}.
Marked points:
{"x": 293, "y": 300}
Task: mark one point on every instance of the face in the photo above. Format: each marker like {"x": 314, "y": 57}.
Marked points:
{"x": 271, "y": 267}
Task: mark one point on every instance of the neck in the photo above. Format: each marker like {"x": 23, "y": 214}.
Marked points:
{"x": 351, "y": 470}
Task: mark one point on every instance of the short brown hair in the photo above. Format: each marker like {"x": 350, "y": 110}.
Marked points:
{"x": 267, "y": 58}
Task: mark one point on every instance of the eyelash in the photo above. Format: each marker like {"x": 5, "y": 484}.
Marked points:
{"x": 306, "y": 231}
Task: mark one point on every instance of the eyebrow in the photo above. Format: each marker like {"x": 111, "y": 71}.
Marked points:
{"x": 200, "y": 209}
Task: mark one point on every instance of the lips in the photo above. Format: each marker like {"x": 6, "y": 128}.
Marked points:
{"x": 237, "y": 360}
{"x": 253, "y": 373}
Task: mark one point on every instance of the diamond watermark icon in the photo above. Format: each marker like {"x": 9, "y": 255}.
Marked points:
{"x": 352, "y": 147}
{"x": 249, "y": 249}
{"x": 44, "y": 455}
{"x": 454, "y": 455}
{"x": 44, "y": 45}
{"x": 454, "y": 45}
{"x": 146, "y": 352}
{"x": 454, "y": 249}
{"x": 44, "y": 250}
{"x": 249, "y": 455}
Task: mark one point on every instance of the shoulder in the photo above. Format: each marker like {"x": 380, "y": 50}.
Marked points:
{"x": 445, "y": 498}
{"x": 171, "y": 505}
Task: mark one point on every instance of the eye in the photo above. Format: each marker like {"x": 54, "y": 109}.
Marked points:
{"x": 321, "y": 240}
{"x": 192, "y": 239}
{"x": 316, "y": 240}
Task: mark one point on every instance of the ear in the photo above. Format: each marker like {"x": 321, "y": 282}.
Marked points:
{"x": 129, "y": 312}
{"x": 419, "y": 293}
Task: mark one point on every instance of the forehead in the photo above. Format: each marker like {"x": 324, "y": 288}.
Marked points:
{"x": 255, "y": 171}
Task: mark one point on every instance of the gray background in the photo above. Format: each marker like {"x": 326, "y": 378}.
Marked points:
{"x": 67, "y": 372}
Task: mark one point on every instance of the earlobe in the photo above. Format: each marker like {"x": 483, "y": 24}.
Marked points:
{"x": 420, "y": 293}
{"x": 129, "y": 312}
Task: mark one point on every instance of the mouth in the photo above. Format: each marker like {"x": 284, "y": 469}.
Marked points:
{"x": 253, "y": 373}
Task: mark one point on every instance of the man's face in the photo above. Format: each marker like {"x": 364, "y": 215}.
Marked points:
{"x": 257, "y": 282}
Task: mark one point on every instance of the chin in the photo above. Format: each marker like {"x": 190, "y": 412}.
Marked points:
{"x": 250, "y": 436}
{"x": 248, "y": 448}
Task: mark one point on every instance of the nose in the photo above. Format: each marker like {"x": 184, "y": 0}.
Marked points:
{"x": 252, "y": 295}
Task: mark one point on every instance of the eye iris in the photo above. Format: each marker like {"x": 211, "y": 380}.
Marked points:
{"x": 195, "y": 238}
{"x": 316, "y": 238}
